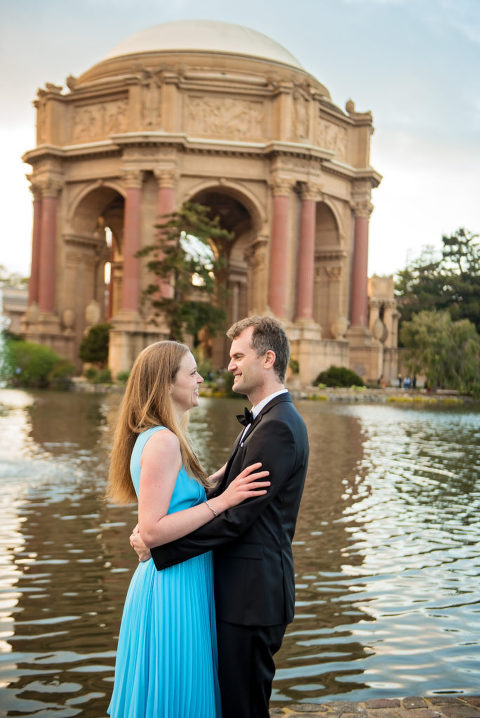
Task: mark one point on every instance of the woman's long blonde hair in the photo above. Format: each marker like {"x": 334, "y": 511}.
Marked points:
{"x": 147, "y": 403}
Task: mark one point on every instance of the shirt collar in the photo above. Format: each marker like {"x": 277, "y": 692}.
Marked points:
{"x": 261, "y": 404}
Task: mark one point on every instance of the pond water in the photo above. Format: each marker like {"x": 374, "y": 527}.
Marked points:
{"x": 387, "y": 552}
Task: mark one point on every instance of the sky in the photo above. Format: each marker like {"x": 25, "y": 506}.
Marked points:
{"x": 414, "y": 63}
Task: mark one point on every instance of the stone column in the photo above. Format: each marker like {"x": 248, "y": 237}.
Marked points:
{"x": 48, "y": 244}
{"x": 166, "y": 193}
{"x": 359, "y": 302}
{"x": 165, "y": 205}
{"x": 306, "y": 256}
{"x": 277, "y": 292}
{"x": 33, "y": 285}
{"x": 131, "y": 242}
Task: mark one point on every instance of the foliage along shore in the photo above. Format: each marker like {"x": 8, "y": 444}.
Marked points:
{"x": 389, "y": 395}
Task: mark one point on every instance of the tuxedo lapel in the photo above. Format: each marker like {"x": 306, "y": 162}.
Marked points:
{"x": 241, "y": 440}
{"x": 277, "y": 400}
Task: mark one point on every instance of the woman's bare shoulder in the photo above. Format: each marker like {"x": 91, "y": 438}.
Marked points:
{"x": 164, "y": 442}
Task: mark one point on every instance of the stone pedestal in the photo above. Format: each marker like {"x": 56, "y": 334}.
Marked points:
{"x": 128, "y": 336}
{"x": 366, "y": 354}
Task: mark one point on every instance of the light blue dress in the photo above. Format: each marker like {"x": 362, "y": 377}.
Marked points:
{"x": 166, "y": 665}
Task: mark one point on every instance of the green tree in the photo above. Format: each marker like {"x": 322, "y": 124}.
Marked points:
{"x": 11, "y": 279}
{"x": 190, "y": 253}
{"x": 448, "y": 281}
{"x": 446, "y": 351}
{"x": 94, "y": 345}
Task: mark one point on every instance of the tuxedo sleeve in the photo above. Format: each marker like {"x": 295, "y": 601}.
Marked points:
{"x": 273, "y": 444}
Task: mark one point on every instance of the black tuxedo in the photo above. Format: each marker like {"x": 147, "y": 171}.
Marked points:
{"x": 254, "y": 575}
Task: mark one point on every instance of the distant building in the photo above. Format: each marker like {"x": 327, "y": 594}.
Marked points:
{"x": 13, "y": 305}
{"x": 223, "y": 115}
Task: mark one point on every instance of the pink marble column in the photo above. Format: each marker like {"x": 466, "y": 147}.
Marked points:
{"x": 306, "y": 259}
{"x": 33, "y": 285}
{"x": 359, "y": 306}
{"x": 131, "y": 243}
{"x": 277, "y": 290}
{"x": 165, "y": 206}
{"x": 166, "y": 194}
{"x": 48, "y": 247}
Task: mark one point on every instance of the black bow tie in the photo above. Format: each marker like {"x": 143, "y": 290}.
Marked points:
{"x": 246, "y": 418}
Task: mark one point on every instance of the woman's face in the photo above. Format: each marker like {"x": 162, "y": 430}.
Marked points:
{"x": 184, "y": 389}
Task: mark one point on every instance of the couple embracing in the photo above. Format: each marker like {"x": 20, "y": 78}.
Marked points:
{"x": 210, "y": 600}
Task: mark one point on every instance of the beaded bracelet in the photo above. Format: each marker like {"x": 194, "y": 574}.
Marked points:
{"x": 211, "y": 508}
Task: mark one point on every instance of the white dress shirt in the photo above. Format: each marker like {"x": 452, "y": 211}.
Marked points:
{"x": 258, "y": 408}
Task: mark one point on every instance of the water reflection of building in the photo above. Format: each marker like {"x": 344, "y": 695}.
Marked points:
{"x": 71, "y": 561}
{"x": 223, "y": 115}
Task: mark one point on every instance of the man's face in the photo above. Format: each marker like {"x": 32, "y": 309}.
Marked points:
{"x": 246, "y": 366}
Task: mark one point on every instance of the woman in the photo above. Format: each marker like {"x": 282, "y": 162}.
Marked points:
{"x": 166, "y": 663}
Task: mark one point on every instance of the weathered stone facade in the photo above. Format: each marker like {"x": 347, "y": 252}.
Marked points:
{"x": 219, "y": 114}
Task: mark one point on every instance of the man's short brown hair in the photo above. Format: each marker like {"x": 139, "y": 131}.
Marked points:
{"x": 268, "y": 335}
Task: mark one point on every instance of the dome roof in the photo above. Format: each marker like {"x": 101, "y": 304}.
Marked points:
{"x": 204, "y": 36}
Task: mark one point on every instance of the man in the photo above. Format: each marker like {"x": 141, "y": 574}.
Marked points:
{"x": 254, "y": 575}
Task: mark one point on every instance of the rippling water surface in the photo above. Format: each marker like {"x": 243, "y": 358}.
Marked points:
{"x": 387, "y": 552}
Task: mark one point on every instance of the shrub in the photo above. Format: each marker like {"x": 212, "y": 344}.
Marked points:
{"x": 339, "y": 376}
{"x": 104, "y": 376}
{"x": 94, "y": 345}
{"x": 91, "y": 373}
{"x": 34, "y": 366}
{"x": 60, "y": 377}
{"x": 294, "y": 366}
{"x": 122, "y": 376}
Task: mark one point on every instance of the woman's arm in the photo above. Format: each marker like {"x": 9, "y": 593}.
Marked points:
{"x": 218, "y": 475}
{"x": 160, "y": 463}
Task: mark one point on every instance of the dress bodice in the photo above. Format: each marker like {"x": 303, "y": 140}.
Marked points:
{"x": 187, "y": 491}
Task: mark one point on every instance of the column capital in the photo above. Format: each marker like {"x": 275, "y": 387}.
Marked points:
{"x": 281, "y": 186}
{"x": 133, "y": 178}
{"x": 311, "y": 190}
{"x": 362, "y": 208}
{"x": 35, "y": 188}
{"x": 47, "y": 187}
{"x": 166, "y": 177}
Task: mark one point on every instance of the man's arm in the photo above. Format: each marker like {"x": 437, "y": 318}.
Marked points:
{"x": 273, "y": 445}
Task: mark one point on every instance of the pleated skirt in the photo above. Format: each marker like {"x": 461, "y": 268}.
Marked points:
{"x": 166, "y": 664}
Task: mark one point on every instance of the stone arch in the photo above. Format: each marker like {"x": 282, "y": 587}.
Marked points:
{"x": 241, "y": 214}
{"x": 328, "y": 309}
{"x": 95, "y": 201}
{"x": 256, "y": 210}
{"x": 92, "y": 247}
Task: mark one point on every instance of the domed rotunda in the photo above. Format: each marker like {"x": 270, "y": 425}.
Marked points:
{"x": 223, "y": 115}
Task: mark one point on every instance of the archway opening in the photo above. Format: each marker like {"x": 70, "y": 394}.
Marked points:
{"x": 327, "y": 309}
{"x": 234, "y": 276}
{"x": 94, "y": 257}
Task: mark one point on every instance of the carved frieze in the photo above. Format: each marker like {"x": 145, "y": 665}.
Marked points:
{"x": 333, "y": 273}
{"x": 332, "y": 137}
{"x": 151, "y": 107}
{"x": 301, "y": 118}
{"x": 98, "y": 121}
{"x": 225, "y": 117}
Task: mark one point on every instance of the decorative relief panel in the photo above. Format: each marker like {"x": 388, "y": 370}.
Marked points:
{"x": 151, "y": 103}
{"x": 301, "y": 119}
{"x": 98, "y": 121}
{"x": 225, "y": 117}
{"x": 332, "y": 137}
